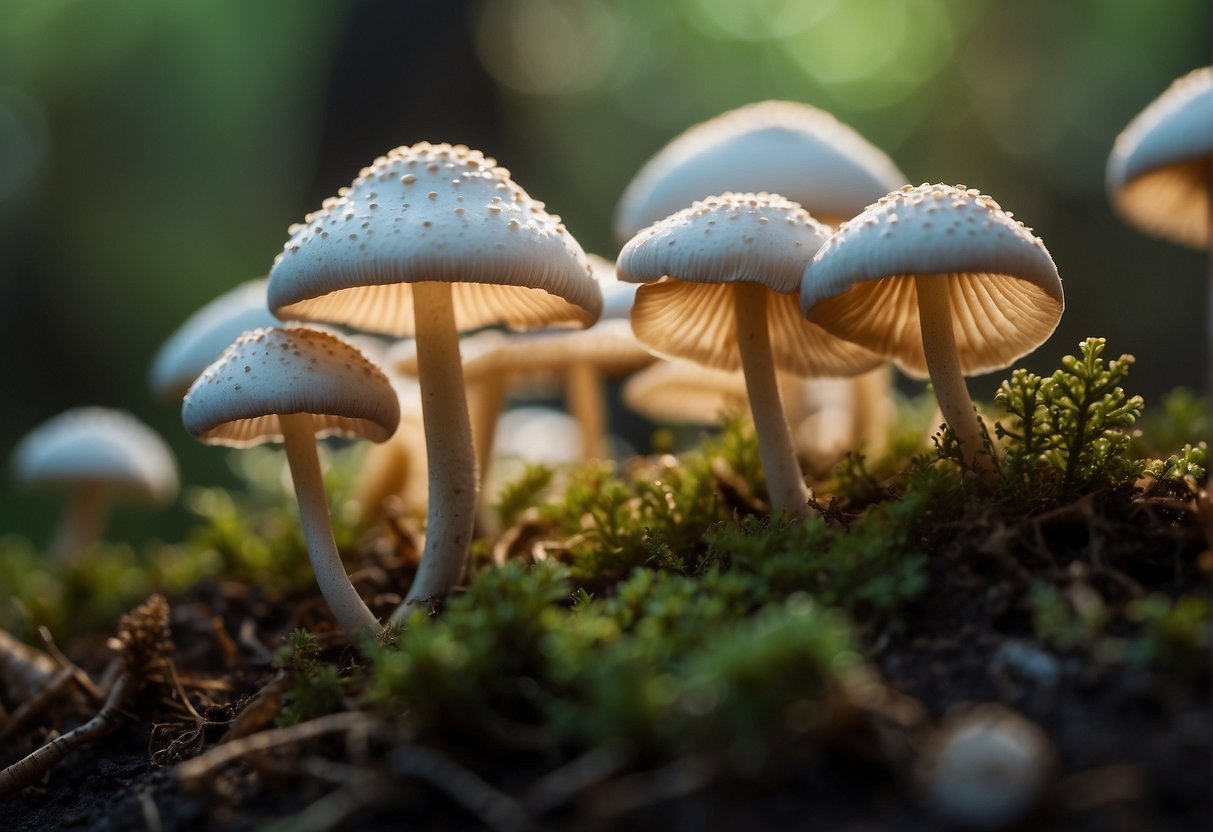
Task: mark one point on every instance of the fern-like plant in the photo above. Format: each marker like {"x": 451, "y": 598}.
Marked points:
{"x": 1069, "y": 432}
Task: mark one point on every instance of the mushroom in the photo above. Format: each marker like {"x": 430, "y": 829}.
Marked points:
{"x": 205, "y": 335}
{"x": 720, "y": 289}
{"x": 784, "y": 147}
{"x": 295, "y": 385}
{"x": 98, "y": 454}
{"x": 685, "y": 393}
{"x": 397, "y": 466}
{"x": 496, "y": 365}
{"x": 1158, "y": 173}
{"x": 944, "y": 283}
{"x": 429, "y": 241}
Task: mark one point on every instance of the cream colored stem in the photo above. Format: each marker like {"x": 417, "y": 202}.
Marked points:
{"x": 448, "y": 441}
{"x": 943, "y": 364}
{"x": 299, "y": 437}
{"x": 872, "y": 415}
{"x": 784, "y": 480}
{"x": 583, "y": 390}
{"x": 82, "y": 520}
{"x": 486, "y": 397}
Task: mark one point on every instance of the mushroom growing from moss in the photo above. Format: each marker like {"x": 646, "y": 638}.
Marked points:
{"x": 944, "y": 283}
{"x": 429, "y": 241}
{"x": 293, "y": 386}
{"x": 98, "y": 454}
{"x": 1158, "y": 173}
{"x": 720, "y": 289}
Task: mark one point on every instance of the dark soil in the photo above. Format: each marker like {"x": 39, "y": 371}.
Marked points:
{"x": 1133, "y": 740}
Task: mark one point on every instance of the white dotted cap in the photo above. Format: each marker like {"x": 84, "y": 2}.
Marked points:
{"x": 685, "y": 393}
{"x": 100, "y": 446}
{"x": 267, "y": 372}
{"x": 1158, "y": 173}
{"x": 688, "y": 260}
{"x": 205, "y": 335}
{"x": 433, "y": 213}
{"x": 1005, "y": 293}
{"x": 783, "y": 147}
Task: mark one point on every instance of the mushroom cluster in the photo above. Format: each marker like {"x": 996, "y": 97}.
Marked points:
{"x": 749, "y": 260}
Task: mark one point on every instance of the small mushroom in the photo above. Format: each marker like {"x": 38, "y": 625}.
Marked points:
{"x": 944, "y": 283}
{"x": 429, "y": 241}
{"x": 98, "y": 454}
{"x": 1158, "y": 173}
{"x": 205, "y": 335}
{"x": 295, "y": 385}
{"x": 720, "y": 281}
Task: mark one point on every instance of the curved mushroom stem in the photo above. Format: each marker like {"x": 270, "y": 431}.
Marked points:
{"x": 583, "y": 390}
{"x": 785, "y": 483}
{"x": 448, "y": 441}
{"x": 943, "y": 364}
{"x": 82, "y": 520}
{"x": 299, "y": 437}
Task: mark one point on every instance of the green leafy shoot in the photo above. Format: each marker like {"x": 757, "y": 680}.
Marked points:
{"x": 1069, "y": 433}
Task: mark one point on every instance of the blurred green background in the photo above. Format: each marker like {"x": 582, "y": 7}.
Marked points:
{"x": 153, "y": 152}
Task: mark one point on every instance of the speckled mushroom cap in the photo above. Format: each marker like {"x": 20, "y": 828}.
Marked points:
{"x": 267, "y": 372}
{"x": 688, "y": 260}
{"x": 433, "y": 213}
{"x": 97, "y": 445}
{"x": 1158, "y": 173}
{"x": 682, "y": 392}
{"x": 1005, "y": 293}
{"x": 783, "y": 147}
{"x": 205, "y": 335}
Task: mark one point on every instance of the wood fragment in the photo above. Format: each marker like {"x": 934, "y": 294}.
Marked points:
{"x": 31, "y": 769}
{"x": 193, "y": 772}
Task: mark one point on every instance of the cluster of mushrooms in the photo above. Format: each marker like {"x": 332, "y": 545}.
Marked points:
{"x": 749, "y": 261}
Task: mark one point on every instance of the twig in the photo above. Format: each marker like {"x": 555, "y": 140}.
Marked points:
{"x": 32, "y": 708}
{"x": 562, "y": 785}
{"x": 494, "y": 808}
{"x": 194, "y": 771}
{"x": 30, "y": 770}
{"x": 150, "y": 811}
{"x": 23, "y": 669}
{"x": 336, "y": 807}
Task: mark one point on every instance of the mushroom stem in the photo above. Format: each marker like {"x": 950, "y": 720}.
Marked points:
{"x": 785, "y": 484}
{"x": 943, "y": 364}
{"x": 448, "y": 441}
{"x": 583, "y": 390}
{"x": 82, "y": 520}
{"x": 486, "y": 397}
{"x": 299, "y": 437}
{"x": 872, "y": 410}
{"x": 385, "y": 471}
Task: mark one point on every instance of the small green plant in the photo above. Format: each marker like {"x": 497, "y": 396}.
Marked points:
{"x": 1069, "y": 433}
{"x": 1191, "y": 461}
{"x": 315, "y": 686}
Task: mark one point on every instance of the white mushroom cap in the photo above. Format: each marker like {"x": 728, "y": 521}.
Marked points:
{"x": 784, "y": 147}
{"x": 688, "y": 260}
{"x": 100, "y": 446}
{"x": 205, "y": 335}
{"x": 267, "y": 372}
{"x": 1158, "y": 173}
{"x": 434, "y": 213}
{"x": 1005, "y": 292}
